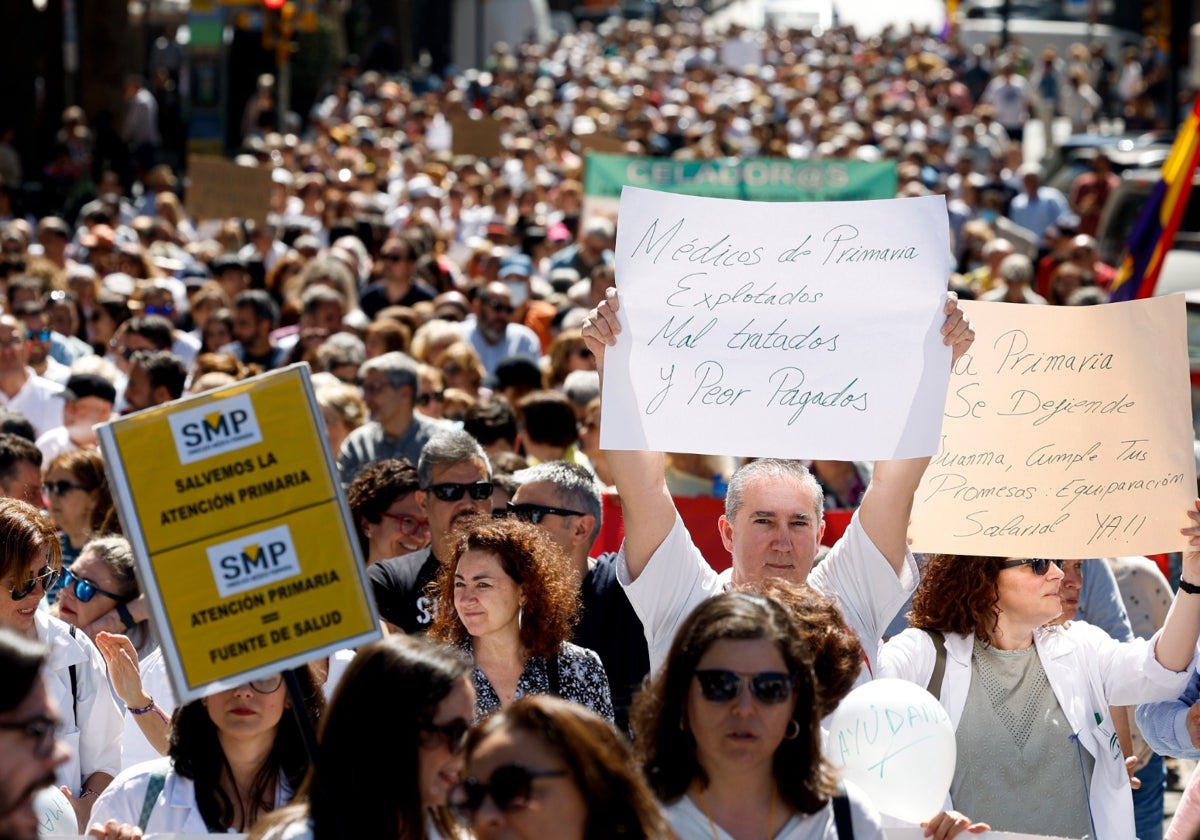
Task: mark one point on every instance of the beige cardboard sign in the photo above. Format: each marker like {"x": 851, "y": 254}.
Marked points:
{"x": 1067, "y": 433}
{"x": 476, "y": 137}
{"x": 220, "y": 189}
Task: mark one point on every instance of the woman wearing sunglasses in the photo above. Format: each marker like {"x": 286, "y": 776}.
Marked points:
{"x": 546, "y": 768}
{"x": 1029, "y": 700}
{"x": 508, "y": 598}
{"x": 234, "y": 756}
{"x": 30, "y": 561}
{"x": 430, "y": 704}
{"x": 729, "y": 732}
{"x": 383, "y": 503}
{"x": 78, "y": 499}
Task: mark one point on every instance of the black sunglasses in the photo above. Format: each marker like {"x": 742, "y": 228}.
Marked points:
{"x": 61, "y": 488}
{"x": 451, "y": 735}
{"x": 85, "y": 590}
{"x": 769, "y": 687}
{"x": 527, "y": 512}
{"x": 510, "y": 788}
{"x": 435, "y": 396}
{"x": 452, "y": 491}
{"x": 47, "y": 576}
{"x": 1040, "y": 565}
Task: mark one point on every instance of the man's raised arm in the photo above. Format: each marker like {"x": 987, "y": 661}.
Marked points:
{"x": 887, "y": 505}
{"x": 646, "y": 504}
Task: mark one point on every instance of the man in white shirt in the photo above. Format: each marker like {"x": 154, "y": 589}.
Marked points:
{"x": 20, "y": 388}
{"x": 772, "y": 527}
{"x": 87, "y": 400}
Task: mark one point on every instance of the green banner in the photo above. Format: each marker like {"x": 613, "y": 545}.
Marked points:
{"x": 750, "y": 179}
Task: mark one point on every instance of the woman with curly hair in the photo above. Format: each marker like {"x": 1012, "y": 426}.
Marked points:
{"x": 384, "y": 506}
{"x": 728, "y": 736}
{"x": 507, "y": 598}
{"x": 430, "y": 703}
{"x": 551, "y": 768}
{"x": 567, "y": 354}
{"x": 1029, "y": 700}
{"x": 461, "y": 368}
{"x": 233, "y": 757}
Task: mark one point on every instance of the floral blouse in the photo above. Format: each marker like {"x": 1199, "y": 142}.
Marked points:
{"x": 581, "y": 679}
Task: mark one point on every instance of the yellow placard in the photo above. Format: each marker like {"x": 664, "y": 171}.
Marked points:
{"x": 246, "y": 551}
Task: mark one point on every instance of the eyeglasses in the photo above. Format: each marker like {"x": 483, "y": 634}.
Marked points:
{"x": 510, "y": 788}
{"x": 452, "y": 736}
{"x": 375, "y": 387}
{"x": 13, "y": 340}
{"x": 1040, "y": 565}
{"x": 501, "y": 306}
{"x": 42, "y": 731}
{"x": 47, "y": 576}
{"x": 769, "y": 687}
{"x": 409, "y": 525}
{"x": 38, "y": 335}
{"x": 61, "y": 488}
{"x": 536, "y": 513}
{"x": 85, "y": 590}
{"x": 583, "y": 353}
{"x": 266, "y": 685}
{"x": 452, "y": 492}
{"x": 431, "y": 396}
{"x": 397, "y": 258}
{"x": 166, "y": 310}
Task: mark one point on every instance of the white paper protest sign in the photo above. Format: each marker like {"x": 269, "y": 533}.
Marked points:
{"x": 1068, "y": 433}
{"x": 792, "y": 330}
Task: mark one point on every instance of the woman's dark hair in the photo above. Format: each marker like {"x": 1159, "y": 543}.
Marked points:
{"x": 527, "y": 555}
{"x": 667, "y": 749}
{"x": 958, "y": 594}
{"x": 376, "y": 489}
{"x": 196, "y": 754}
{"x": 87, "y": 467}
{"x": 834, "y": 646}
{"x": 619, "y": 802}
{"x": 410, "y": 677}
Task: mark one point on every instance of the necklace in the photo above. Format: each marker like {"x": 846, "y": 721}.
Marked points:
{"x": 712, "y": 826}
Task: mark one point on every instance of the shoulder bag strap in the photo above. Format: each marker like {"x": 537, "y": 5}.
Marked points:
{"x": 841, "y": 815}
{"x": 74, "y": 686}
{"x": 153, "y": 789}
{"x": 939, "y": 665}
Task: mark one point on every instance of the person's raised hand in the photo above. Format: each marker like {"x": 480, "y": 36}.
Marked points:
{"x": 122, "y": 659}
{"x": 601, "y": 328}
{"x": 956, "y": 330}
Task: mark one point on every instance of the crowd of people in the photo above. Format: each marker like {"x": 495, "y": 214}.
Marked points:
{"x": 456, "y": 312}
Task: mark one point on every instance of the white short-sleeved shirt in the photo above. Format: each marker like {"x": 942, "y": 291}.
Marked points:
{"x": 40, "y": 400}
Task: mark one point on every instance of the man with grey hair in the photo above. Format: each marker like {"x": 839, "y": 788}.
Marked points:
{"x": 564, "y": 501}
{"x": 772, "y": 527}
{"x": 389, "y": 386}
{"x": 455, "y": 484}
{"x": 1015, "y": 282}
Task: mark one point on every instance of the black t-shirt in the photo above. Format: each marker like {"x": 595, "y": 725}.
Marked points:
{"x": 374, "y": 297}
{"x": 398, "y": 584}
{"x": 610, "y": 627}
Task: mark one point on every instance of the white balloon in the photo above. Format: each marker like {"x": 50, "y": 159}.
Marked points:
{"x": 56, "y": 817}
{"x": 894, "y": 740}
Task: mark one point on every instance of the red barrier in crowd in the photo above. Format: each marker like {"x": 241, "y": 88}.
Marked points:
{"x": 700, "y": 514}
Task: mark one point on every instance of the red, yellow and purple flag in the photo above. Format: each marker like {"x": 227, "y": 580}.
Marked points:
{"x": 1154, "y": 231}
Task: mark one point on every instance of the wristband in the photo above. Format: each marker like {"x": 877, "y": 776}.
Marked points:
{"x": 1189, "y": 588}
{"x": 149, "y": 707}
{"x": 126, "y": 618}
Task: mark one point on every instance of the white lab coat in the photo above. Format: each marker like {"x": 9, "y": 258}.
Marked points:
{"x": 95, "y": 738}
{"x": 1087, "y": 670}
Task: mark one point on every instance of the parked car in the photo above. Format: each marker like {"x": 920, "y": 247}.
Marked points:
{"x": 1126, "y": 203}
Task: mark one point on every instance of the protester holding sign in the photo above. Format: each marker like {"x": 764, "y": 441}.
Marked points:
{"x": 412, "y": 703}
{"x": 1030, "y": 702}
{"x": 234, "y": 756}
{"x": 772, "y": 526}
{"x": 728, "y": 736}
{"x": 508, "y": 599}
{"x": 30, "y": 561}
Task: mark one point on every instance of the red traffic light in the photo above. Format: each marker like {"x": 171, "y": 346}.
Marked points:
{"x": 274, "y": 5}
